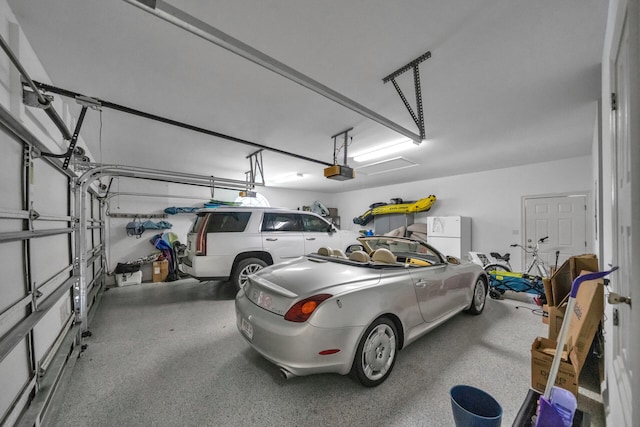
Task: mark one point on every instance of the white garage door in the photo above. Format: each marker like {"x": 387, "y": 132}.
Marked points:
{"x": 37, "y": 312}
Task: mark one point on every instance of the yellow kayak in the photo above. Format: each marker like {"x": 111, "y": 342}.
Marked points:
{"x": 417, "y": 206}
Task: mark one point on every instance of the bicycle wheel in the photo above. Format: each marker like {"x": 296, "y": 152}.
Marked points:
{"x": 496, "y": 267}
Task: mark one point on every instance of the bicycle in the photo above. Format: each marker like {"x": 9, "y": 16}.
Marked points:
{"x": 501, "y": 262}
{"x": 535, "y": 258}
{"x": 502, "y": 280}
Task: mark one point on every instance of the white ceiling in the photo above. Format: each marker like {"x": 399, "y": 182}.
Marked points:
{"x": 510, "y": 82}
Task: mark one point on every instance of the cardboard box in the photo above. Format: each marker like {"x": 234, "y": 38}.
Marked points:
{"x": 556, "y": 316}
{"x": 160, "y": 270}
{"x": 545, "y": 314}
{"x": 127, "y": 279}
{"x": 548, "y": 290}
{"x": 562, "y": 279}
{"x": 542, "y": 351}
{"x": 587, "y": 314}
{"x": 583, "y": 324}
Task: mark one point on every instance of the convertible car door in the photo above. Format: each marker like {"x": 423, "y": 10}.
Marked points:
{"x": 437, "y": 292}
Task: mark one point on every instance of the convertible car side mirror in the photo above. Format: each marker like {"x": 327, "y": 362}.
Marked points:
{"x": 452, "y": 260}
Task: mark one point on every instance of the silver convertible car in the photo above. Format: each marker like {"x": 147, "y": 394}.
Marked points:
{"x": 326, "y": 312}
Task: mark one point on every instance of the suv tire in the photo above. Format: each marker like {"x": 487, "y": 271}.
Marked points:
{"x": 243, "y": 269}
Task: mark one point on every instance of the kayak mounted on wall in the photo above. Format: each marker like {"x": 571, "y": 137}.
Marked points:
{"x": 421, "y": 205}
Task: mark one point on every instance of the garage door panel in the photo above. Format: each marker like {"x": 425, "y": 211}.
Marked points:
{"x": 49, "y": 255}
{"x": 10, "y": 225}
{"x": 96, "y": 236}
{"x": 14, "y": 375}
{"x": 49, "y": 190}
{"x": 49, "y": 327}
{"x": 10, "y": 172}
{"x": 13, "y": 279}
{"x": 13, "y": 314}
{"x": 51, "y": 285}
{"x": 50, "y": 225}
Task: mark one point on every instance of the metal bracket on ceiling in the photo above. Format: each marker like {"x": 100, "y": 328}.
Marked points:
{"x": 345, "y": 144}
{"x": 74, "y": 138}
{"x": 256, "y": 167}
{"x": 31, "y": 99}
{"x": 418, "y": 117}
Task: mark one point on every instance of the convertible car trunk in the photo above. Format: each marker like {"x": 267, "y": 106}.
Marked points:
{"x": 279, "y": 286}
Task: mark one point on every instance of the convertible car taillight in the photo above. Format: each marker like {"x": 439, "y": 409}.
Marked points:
{"x": 301, "y": 310}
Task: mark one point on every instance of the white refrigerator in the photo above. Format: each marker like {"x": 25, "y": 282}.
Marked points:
{"x": 451, "y": 235}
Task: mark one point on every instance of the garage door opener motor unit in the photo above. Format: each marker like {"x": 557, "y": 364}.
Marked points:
{"x": 340, "y": 172}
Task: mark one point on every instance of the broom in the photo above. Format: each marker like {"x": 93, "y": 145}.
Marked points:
{"x": 550, "y": 415}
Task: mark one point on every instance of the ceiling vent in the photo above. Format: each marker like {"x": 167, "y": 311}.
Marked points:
{"x": 386, "y": 166}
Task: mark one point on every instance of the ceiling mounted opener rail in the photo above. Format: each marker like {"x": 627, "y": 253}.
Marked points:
{"x": 86, "y": 100}
{"x": 177, "y": 17}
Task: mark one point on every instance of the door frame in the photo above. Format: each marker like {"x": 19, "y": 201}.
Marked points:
{"x": 621, "y": 13}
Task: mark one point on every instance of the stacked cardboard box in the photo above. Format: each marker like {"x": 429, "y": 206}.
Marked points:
{"x": 160, "y": 270}
{"x": 557, "y": 289}
{"x": 583, "y": 324}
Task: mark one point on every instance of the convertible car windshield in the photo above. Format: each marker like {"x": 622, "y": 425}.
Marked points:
{"x": 405, "y": 250}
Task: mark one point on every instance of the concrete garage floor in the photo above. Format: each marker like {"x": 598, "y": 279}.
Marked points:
{"x": 169, "y": 354}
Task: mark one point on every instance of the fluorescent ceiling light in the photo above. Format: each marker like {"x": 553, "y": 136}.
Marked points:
{"x": 385, "y": 151}
{"x": 288, "y": 178}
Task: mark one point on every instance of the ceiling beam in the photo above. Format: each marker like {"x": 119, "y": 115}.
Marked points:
{"x": 201, "y": 29}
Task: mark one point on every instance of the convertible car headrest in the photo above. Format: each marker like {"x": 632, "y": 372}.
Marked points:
{"x": 360, "y": 256}
{"x": 325, "y": 250}
{"x": 338, "y": 253}
{"x": 384, "y": 256}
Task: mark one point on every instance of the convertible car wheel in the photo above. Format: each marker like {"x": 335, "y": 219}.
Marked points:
{"x": 376, "y": 353}
{"x": 479, "y": 298}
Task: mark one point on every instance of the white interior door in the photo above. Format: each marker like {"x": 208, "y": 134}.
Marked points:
{"x": 620, "y": 348}
{"x": 563, "y": 219}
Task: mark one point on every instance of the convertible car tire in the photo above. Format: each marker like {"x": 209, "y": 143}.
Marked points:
{"x": 244, "y": 268}
{"x": 479, "y": 298}
{"x": 376, "y": 353}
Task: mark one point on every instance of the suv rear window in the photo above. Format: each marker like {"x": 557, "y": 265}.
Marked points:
{"x": 222, "y": 222}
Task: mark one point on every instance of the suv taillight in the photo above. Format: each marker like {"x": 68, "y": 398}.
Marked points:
{"x": 201, "y": 236}
{"x": 201, "y": 243}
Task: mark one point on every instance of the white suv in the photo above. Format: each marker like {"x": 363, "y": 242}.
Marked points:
{"x": 233, "y": 242}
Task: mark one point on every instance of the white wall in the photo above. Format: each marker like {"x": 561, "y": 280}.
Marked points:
{"x": 492, "y": 199}
{"x": 123, "y": 248}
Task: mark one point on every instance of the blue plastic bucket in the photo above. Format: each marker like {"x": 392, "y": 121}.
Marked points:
{"x": 473, "y": 407}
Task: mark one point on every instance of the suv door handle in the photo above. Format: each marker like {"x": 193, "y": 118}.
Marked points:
{"x": 271, "y": 239}
{"x": 421, "y": 284}
{"x": 311, "y": 238}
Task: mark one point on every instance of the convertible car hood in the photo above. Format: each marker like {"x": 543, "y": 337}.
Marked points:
{"x": 277, "y": 287}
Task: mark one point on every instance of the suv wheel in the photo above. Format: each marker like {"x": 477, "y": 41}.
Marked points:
{"x": 244, "y": 268}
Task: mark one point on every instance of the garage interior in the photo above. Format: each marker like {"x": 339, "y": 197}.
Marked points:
{"x": 112, "y": 112}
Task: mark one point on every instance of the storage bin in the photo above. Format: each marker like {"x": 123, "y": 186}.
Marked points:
{"x": 126, "y": 279}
